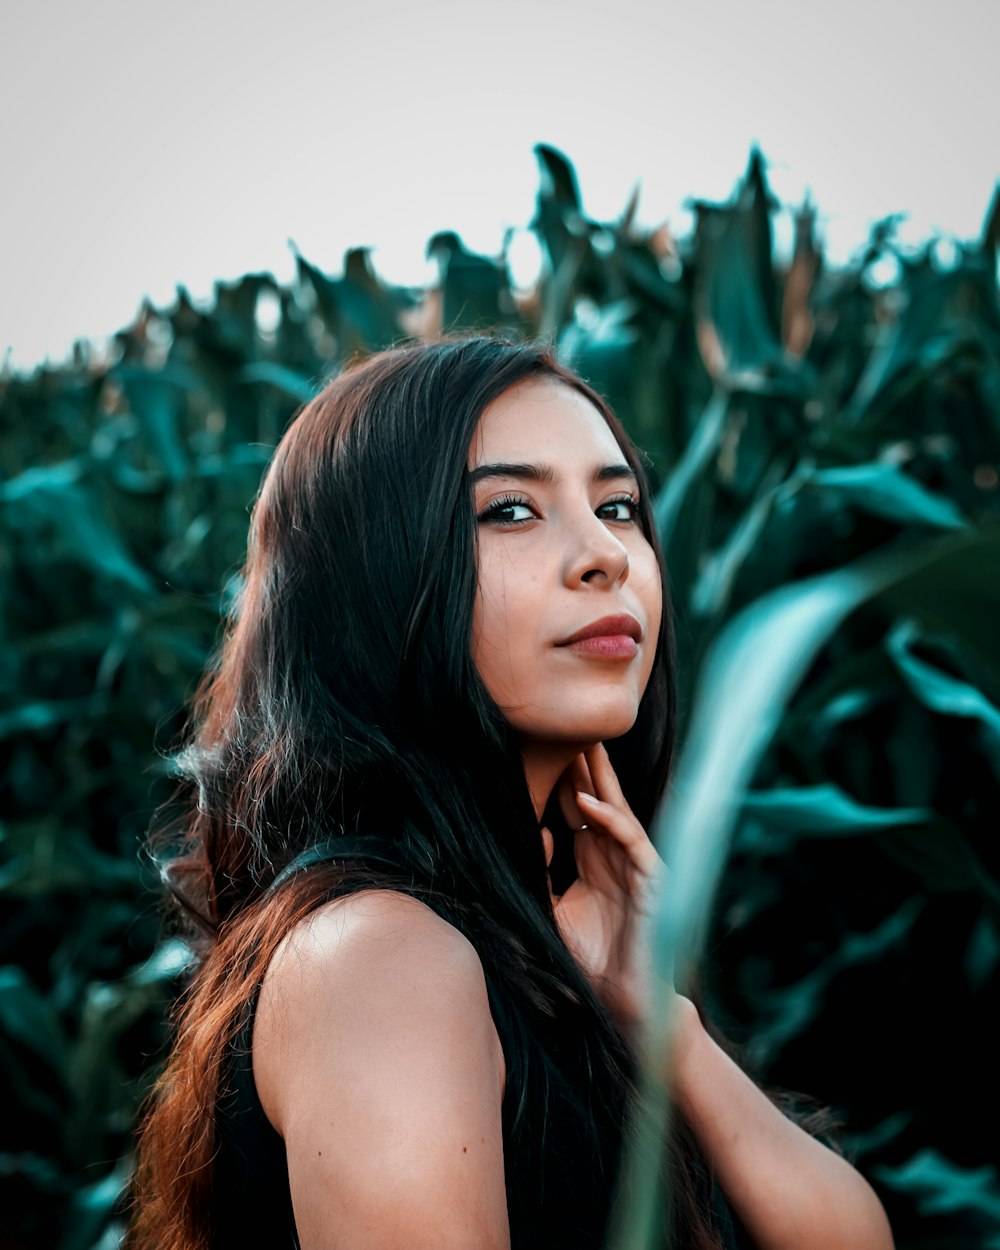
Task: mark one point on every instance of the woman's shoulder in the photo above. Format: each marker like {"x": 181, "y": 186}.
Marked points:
{"x": 348, "y": 924}
{"x": 377, "y": 1060}
{"x": 358, "y": 974}
{"x": 377, "y": 935}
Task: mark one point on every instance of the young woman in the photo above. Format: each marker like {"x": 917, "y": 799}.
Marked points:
{"x": 423, "y": 763}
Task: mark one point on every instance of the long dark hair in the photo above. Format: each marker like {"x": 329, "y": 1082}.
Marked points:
{"x": 344, "y": 712}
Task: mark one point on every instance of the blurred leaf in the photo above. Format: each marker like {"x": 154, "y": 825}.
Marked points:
{"x": 884, "y": 490}
{"x": 788, "y": 1010}
{"x": 680, "y": 487}
{"x": 925, "y": 336}
{"x": 735, "y": 290}
{"x": 938, "y": 1185}
{"x": 50, "y": 477}
{"x": 751, "y": 672}
{"x": 824, "y": 809}
{"x": 44, "y": 858}
{"x": 57, "y": 499}
{"x": 158, "y": 396}
{"x": 93, "y": 1206}
{"x": 945, "y": 863}
{"x": 938, "y": 690}
{"x": 269, "y": 373}
{"x": 558, "y": 215}
{"x": 125, "y": 489}
{"x": 600, "y": 345}
{"x": 714, "y": 586}
{"x": 27, "y": 1017}
{"x": 982, "y": 958}
{"x": 30, "y": 717}
{"x": 990, "y": 240}
{"x": 357, "y": 308}
{"x": 476, "y": 293}
{"x": 857, "y": 1145}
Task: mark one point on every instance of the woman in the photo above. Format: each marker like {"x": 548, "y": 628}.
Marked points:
{"x": 441, "y": 718}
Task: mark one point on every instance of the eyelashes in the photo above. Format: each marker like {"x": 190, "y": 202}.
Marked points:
{"x": 501, "y": 512}
{"x": 496, "y": 510}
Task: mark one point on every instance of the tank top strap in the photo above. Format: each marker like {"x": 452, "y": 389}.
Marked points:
{"x": 377, "y": 850}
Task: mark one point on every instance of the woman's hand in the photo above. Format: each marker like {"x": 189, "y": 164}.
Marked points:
{"x": 619, "y": 875}
{"x": 787, "y": 1188}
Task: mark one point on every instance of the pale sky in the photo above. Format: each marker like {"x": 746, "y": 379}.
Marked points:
{"x": 149, "y": 145}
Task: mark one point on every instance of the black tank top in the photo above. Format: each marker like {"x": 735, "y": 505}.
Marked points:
{"x": 252, "y": 1202}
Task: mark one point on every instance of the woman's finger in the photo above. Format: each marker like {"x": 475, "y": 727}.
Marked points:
{"x": 606, "y": 784}
{"x": 579, "y": 770}
{"x": 575, "y": 778}
{"x": 623, "y": 827}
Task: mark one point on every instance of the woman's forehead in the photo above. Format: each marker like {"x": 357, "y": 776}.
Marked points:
{"x": 542, "y": 420}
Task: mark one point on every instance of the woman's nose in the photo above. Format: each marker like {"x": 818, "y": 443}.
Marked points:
{"x": 595, "y": 554}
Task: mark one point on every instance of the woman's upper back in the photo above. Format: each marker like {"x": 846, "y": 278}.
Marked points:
{"x": 376, "y": 1058}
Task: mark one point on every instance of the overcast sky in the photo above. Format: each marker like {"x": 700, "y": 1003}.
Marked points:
{"x": 149, "y": 145}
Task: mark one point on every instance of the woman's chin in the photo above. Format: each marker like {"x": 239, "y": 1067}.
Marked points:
{"x": 580, "y": 729}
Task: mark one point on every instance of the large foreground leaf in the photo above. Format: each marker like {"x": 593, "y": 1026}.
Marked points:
{"x": 748, "y": 678}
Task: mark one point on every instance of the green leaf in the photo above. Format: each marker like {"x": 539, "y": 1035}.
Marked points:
{"x": 356, "y": 307}
{"x": 55, "y": 498}
{"x": 883, "y": 489}
{"x": 158, "y": 397}
{"x": 27, "y": 1017}
{"x": 735, "y": 280}
{"x": 944, "y": 861}
{"x": 44, "y": 714}
{"x": 788, "y": 1011}
{"x": 93, "y": 1207}
{"x": 46, "y": 857}
{"x": 51, "y": 478}
{"x": 269, "y": 373}
{"x": 168, "y": 961}
{"x": 858, "y": 1145}
{"x": 825, "y": 809}
{"x": 600, "y": 345}
{"x": 940, "y": 1186}
{"x": 475, "y": 291}
{"x": 926, "y": 335}
{"x": 679, "y": 488}
{"x": 714, "y": 586}
{"x": 940, "y": 691}
{"x": 982, "y": 958}
{"x": 748, "y": 677}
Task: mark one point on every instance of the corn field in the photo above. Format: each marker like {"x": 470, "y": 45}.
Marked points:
{"x": 825, "y": 450}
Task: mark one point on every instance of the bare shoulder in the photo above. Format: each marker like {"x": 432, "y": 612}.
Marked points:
{"x": 377, "y": 1059}
{"x": 382, "y": 927}
{"x": 363, "y": 971}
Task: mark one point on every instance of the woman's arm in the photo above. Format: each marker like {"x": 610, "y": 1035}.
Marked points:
{"x": 790, "y": 1191}
{"x": 377, "y": 1060}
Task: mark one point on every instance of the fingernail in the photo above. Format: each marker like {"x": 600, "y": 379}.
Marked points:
{"x": 583, "y": 797}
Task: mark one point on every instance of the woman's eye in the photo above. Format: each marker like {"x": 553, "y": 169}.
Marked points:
{"x": 621, "y": 510}
{"x": 507, "y": 512}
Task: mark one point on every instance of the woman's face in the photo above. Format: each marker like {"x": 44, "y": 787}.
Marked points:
{"x": 561, "y": 550}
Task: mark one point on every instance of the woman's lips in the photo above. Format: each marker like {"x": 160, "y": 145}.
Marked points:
{"x": 610, "y": 638}
{"x": 607, "y": 646}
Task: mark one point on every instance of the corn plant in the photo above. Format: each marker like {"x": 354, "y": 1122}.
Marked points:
{"x": 826, "y": 452}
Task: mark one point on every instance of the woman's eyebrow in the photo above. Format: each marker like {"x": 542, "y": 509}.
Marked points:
{"x": 544, "y": 472}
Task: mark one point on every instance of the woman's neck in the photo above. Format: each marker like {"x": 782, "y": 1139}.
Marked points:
{"x": 544, "y": 764}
